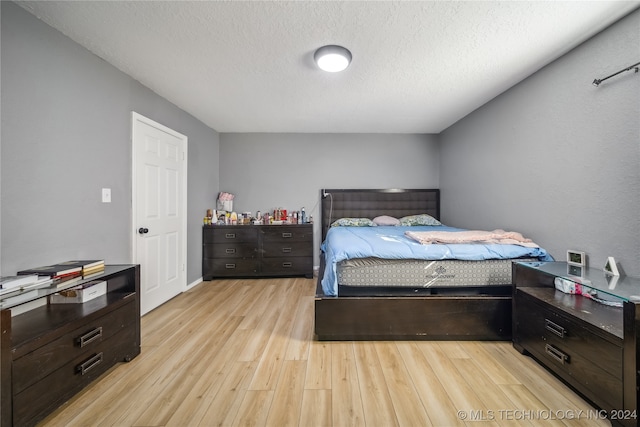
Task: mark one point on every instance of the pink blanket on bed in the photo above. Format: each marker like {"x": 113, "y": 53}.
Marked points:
{"x": 471, "y": 236}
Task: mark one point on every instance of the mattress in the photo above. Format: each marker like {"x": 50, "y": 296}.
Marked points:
{"x": 390, "y": 243}
{"x": 376, "y": 272}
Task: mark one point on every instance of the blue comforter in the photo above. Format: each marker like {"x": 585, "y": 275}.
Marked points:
{"x": 389, "y": 242}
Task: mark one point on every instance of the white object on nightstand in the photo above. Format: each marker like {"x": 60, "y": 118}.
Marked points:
{"x": 610, "y": 267}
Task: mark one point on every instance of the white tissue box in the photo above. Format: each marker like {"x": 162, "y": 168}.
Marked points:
{"x": 79, "y": 294}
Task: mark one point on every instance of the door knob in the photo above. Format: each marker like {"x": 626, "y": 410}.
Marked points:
{"x": 143, "y": 230}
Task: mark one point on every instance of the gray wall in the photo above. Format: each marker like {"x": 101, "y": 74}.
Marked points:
{"x": 66, "y": 120}
{"x": 266, "y": 171}
{"x": 556, "y": 157}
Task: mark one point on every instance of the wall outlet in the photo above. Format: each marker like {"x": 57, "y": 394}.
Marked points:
{"x": 106, "y": 195}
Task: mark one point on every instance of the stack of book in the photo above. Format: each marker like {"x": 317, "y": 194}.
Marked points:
{"x": 87, "y": 267}
{"x": 67, "y": 270}
{"x": 55, "y": 271}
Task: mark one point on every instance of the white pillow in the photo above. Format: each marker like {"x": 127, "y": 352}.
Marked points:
{"x": 386, "y": 220}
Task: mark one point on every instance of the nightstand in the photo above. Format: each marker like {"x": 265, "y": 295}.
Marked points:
{"x": 589, "y": 341}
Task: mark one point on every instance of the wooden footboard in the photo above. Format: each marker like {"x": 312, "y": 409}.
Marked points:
{"x": 413, "y": 318}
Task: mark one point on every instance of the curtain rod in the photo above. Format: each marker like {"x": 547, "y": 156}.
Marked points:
{"x": 597, "y": 82}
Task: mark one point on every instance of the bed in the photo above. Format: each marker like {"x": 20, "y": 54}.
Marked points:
{"x": 368, "y": 292}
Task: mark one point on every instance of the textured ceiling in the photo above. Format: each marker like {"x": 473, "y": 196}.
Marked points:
{"x": 247, "y": 66}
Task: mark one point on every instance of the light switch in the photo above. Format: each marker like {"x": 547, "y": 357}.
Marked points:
{"x": 106, "y": 195}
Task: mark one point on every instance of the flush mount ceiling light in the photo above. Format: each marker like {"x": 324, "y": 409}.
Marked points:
{"x": 332, "y": 58}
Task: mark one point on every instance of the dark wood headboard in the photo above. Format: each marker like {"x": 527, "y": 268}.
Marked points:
{"x": 336, "y": 204}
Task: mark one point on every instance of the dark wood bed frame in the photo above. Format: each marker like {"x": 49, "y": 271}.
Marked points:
{"x": 477, "y": 316}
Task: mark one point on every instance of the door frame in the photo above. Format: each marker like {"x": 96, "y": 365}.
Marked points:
{"x": 134, "y": 192}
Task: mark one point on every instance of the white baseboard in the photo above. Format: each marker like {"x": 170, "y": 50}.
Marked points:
{"x": 194, "y": 283}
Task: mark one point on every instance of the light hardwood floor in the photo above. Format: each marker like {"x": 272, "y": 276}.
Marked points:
{"x": 241, "y": 352}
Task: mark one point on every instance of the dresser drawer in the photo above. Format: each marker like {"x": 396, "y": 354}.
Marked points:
{"x": 39, "y": 363}
{"x": 231, "y": 267}
{"x": 575, "y": 353}
{"x": 230, "y": 234}
{"x": 230, "y": 250}
{"x": 283, "y": 233}
{"x": 598, "y": 385}
{"x": 537, "y": 321}
{"x": 286, "y": 249}
{"x": 34, "y": 402}
{"x": 287, "y": 266}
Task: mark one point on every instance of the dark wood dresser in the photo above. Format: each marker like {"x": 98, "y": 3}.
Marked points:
{"x": 257, "y": 251}
{"x": 590, "y": 342}
{"x": 49, "y": 352}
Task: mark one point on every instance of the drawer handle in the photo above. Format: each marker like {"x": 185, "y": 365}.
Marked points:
{"x": 286, "y": 250}
{"x": 287, "y": 264}
{"x": 556, "y": 354}
{"x": 230, "y": 236}
{"x": 230, "y": 250}
{"x": 90, "y": 363}
{"x": 230, "y": 266}
{"x": 90, "y": 336}
{"x": 287, "y": 235}
{"x": 555, "y": 328}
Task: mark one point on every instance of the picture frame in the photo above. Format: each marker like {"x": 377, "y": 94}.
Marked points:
{"x": 610, "y": 267}
{"x": 577, "y": 258}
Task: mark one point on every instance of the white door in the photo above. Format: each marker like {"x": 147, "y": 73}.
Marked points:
{"x": 159, "y": 210}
